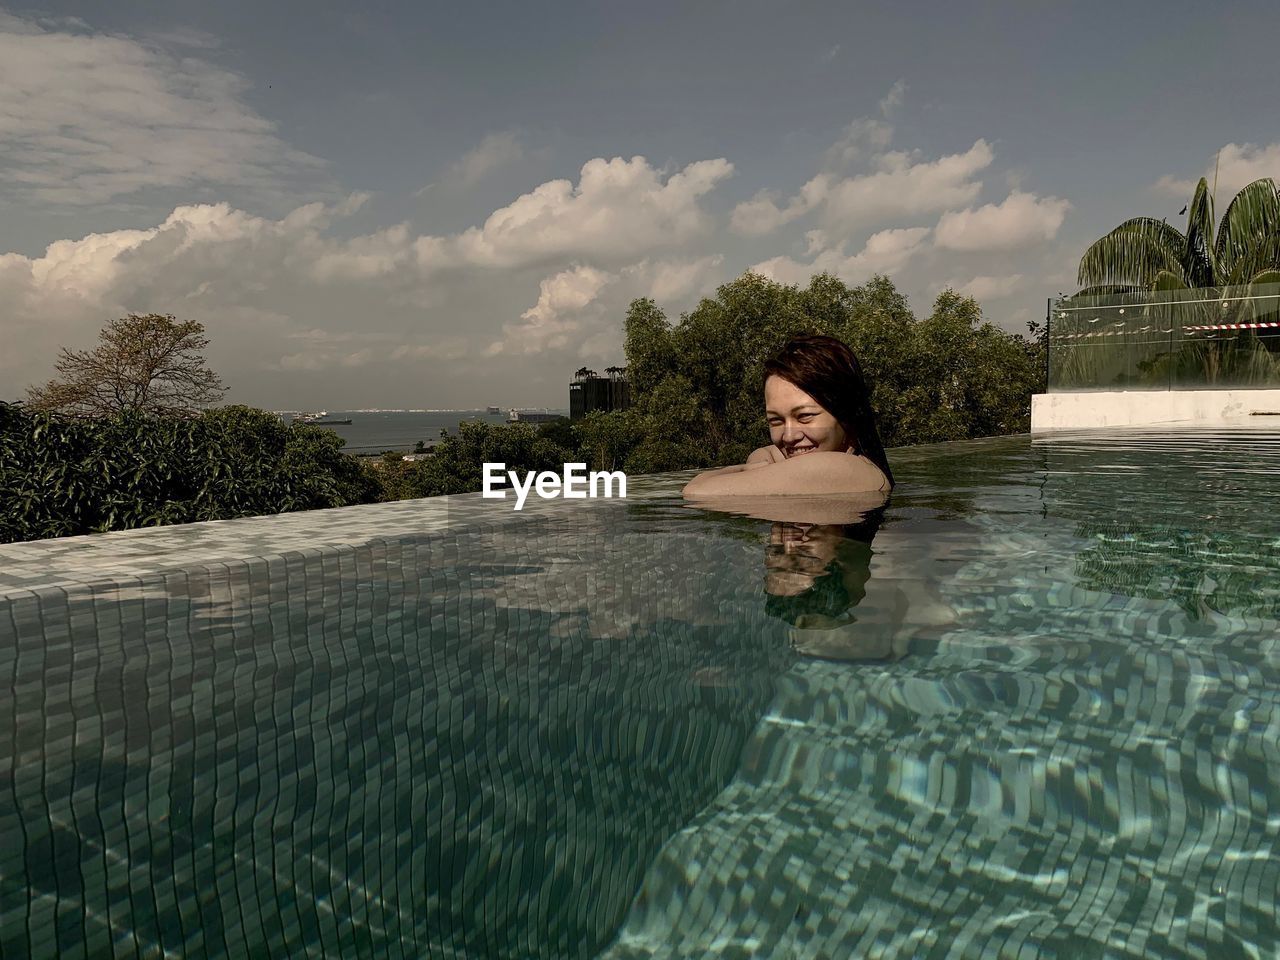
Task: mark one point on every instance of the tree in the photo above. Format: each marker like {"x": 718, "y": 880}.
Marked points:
{"x": 1147, "y": 254}
{"x": 605, "y": 439}
{"x": 456, "y": 465}
{"x": 144, "y": 364}
{"x": 697, "y": 384}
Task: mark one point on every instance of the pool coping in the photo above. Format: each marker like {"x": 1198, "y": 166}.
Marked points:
{"x": 150, "y": 552}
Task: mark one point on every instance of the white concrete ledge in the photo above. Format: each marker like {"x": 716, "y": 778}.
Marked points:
{"x": 1136, "y": 408}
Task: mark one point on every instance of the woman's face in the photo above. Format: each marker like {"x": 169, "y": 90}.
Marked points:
{"x": 798, "y": 424}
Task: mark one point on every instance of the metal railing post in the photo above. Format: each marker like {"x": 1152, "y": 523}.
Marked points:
{"x": 1048, "y": 321}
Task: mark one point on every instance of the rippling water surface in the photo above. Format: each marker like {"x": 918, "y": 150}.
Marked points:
{"x": 1030, "y": 709}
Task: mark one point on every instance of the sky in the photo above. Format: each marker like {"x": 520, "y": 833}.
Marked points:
{"x": 425, "y": 205}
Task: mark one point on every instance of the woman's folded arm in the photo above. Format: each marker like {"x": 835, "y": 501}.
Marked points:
{"x": 808, "y": 475}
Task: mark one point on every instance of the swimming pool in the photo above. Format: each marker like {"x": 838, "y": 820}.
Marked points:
{"x": 1029, "y": 711}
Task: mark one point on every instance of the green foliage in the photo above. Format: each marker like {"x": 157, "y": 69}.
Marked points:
{"x": 61, "y": 476}
{"x": 457, "y": 464}
{"x": 698, "y": 384}
{"x": 559, "y": 431}
{"x": 603, "y": 441}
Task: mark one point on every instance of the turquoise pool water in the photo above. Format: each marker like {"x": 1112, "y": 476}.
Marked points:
{"x": 1028, "y": 711}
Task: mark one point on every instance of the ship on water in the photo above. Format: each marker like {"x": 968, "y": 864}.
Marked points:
{"x": 532, "y": 416}
{"x": 492, "y": 409}
{"x": 320, "y": 418}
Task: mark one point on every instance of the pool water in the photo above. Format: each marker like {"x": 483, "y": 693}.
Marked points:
{"x": 1029, "y": 709}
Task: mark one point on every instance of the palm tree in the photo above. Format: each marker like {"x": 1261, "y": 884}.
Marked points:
{"x": 1144, "y": 257}
{"x": 1146, "y": 254}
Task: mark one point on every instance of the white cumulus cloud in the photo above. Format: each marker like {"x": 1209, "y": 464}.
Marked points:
{"x": 668, "y": 280}
{"x": 551, "y": 321}
{"x": 904, "y": 186}
{"x": 762, "y": 214}
{"x": 250, "y": 279}
{"x": 619, "y": 209}
{"x": 1021, "y": 219}
{"x": 901, "y": 185}
{"x": 989, "y": 288}
{"x": 884, "y": 252}
{"x": 1237, "y": 165}
{"x": 368, "y": 257}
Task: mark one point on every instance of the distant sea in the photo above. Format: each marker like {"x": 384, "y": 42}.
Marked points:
{"x": 373, "y": 431}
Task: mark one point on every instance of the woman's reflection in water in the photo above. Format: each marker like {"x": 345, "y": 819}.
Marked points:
{"x": 815, "y": 577}
{"x": 817, "y": 567}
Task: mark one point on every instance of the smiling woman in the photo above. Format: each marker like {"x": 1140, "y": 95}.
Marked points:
{"x": 822, "y": 428}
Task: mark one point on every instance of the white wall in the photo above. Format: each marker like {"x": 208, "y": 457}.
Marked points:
{"x": 1135, "y": 408}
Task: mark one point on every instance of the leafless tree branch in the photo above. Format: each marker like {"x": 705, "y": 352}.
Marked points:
{"x": 150, "y": 363}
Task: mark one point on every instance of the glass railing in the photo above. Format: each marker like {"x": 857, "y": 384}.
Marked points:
{"x": 1211, "y": 338}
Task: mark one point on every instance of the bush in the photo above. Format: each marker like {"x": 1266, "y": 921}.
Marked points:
{"x": 62, "y": 476}
{"x": 457, "y": 464}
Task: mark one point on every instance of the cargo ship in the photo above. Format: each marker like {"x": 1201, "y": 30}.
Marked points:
{"x": 320, "y": 418}
{"x": 532, "y": 416}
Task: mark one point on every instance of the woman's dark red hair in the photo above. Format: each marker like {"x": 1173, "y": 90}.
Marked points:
{"x": 826, "y": 369}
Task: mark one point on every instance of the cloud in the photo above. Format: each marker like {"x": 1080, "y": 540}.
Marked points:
{"x": 884, "y": 252}
{"x": 668, "y": 280}
{"x": 866, "y": 136}
{"x": 263, "y": 286}
{"x": 901, "y": 186}
{"x": 579, "y": 310}
{"x": 443, "y": 348}
{"x": 1238, "y": 165}
{"x": 1021, "y": 219}
{"x": 314, "y": 361}
{"x": 550, "y": 322}
{"x": 368, "y": 257}
{"x": 892, "y": 100}
{"x": 323, "y": 350}
{"x": 988, "y": 288}
{"x": 185, "y": 37}
{"x": 87, "y": 118}
{"x": 892, "y": 184}
{"x": 761, "y": 214}
{"x": 904, "y": 187}
{"x": 253, "y": 281}
{"x": 618, "y": 210}
{"x": 494, "y": 151}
